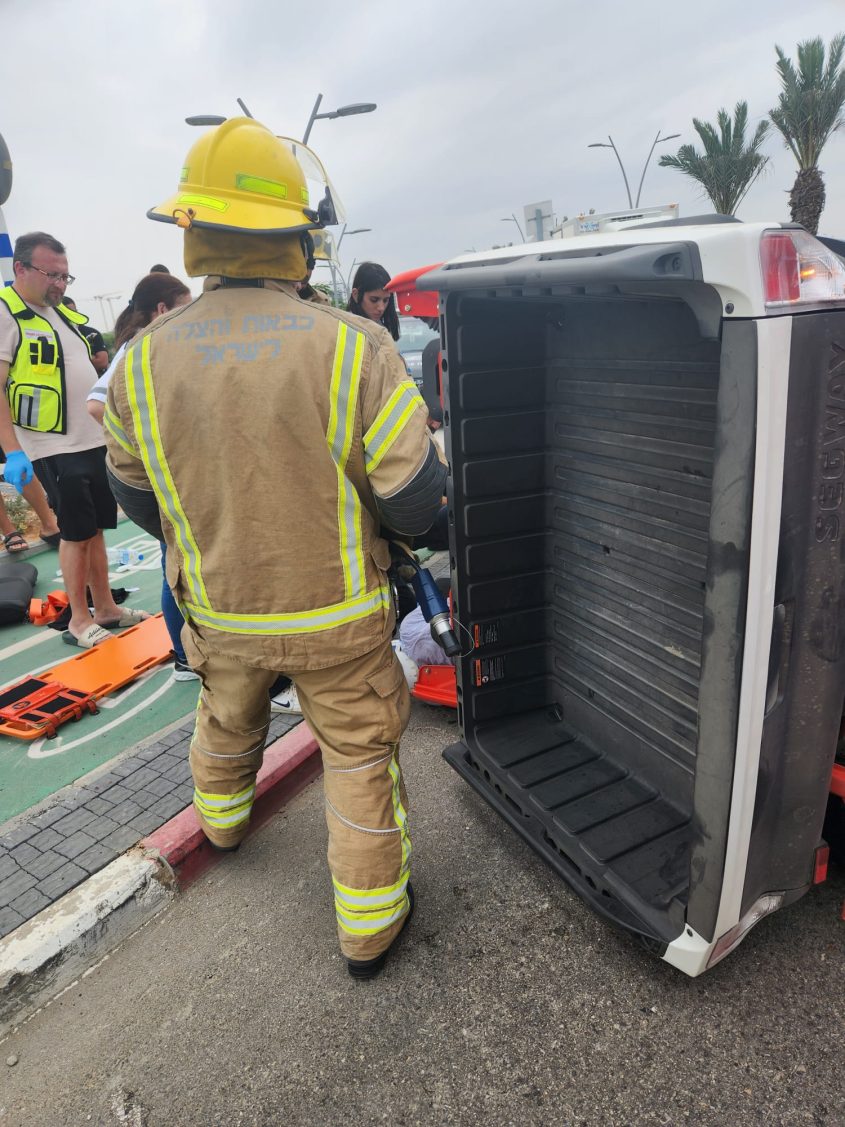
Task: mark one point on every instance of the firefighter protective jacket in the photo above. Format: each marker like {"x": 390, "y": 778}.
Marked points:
{"x": 36, "y": 385}
{"x": 264, "y": 425}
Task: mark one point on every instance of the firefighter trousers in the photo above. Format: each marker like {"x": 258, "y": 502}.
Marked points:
{"x": 357, "y": 712}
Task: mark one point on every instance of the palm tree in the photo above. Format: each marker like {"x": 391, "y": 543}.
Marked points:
{"x": 809, "y": 110}
{"x": 728, "y": 166}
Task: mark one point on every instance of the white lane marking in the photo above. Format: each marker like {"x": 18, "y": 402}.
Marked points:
{"x": 37, "y": 749}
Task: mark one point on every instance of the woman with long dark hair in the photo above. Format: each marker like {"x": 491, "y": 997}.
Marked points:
{"x": 370, "y": 299}
{"x": 155, "y": 294}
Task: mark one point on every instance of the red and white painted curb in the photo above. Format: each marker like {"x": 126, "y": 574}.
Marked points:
{"x": 47, "y": 953}
{"x": 289, "y": 764}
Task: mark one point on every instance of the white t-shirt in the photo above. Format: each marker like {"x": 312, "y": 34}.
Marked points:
{"x": 100, "y": 389}
{"x": 83, "y": 432}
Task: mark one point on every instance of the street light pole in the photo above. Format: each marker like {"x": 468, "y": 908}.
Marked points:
{"x": 349, "y": 110}
{"x": 513, "y": 219}
{"x": 356, "y": 231}
{"x": 342, "y": 111}
{"x": 603, "y": 145}
{"x": 657, "y": 140}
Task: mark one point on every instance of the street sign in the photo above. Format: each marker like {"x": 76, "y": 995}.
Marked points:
{"x": 539, "y": 220}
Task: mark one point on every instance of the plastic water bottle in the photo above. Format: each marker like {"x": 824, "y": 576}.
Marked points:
{"x": 111, "y": 556}
{"x": 128, "y": 557}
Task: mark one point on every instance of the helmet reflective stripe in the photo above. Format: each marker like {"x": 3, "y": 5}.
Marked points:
{"x": 204, "y": 201}
{"x": 224, "y": 810}
{"x": 113, "y": 425}
{"x": 346, "y": 380}
{"x": 258, "y": 184}
{"x": 139, "y": 388}
{"x": 296, "y": 622}
{"x": 390, "y": 421}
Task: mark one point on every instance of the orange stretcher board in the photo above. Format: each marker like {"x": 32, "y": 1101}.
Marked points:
{"x": 437, "y": 684}
{"x": 113, "y": 664}
{"x": 38, "y": 705}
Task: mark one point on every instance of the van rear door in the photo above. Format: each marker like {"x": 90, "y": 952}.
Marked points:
{"x": 646, "y": 433}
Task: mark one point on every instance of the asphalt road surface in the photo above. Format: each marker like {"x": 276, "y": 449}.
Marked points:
{"x": 508, "y": 1001}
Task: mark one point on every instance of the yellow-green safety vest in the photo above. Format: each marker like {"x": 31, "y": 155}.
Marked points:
{"x": 35, "y": 388}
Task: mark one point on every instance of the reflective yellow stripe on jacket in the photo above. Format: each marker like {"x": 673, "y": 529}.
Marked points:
{"x": 358, "y": 602}
{"x": 142, "y": 403}
{"x": 295, "y": 622}
{"x": 346, "y": 380}
{"x": 390, "y": 421}
{"x": 113, "y": 425}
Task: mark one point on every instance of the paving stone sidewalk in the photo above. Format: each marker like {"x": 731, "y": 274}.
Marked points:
{"x": 85, "y": 826}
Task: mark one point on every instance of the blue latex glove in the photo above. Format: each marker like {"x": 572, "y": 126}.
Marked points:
{"x": 18, "y": 471}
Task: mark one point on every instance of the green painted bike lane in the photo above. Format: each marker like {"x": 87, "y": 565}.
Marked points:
{"x": 32, "y": 770}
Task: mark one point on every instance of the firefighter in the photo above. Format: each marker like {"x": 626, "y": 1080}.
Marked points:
{"x": 275, "y": 437}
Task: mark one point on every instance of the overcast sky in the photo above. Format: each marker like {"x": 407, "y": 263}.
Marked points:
{"x": 483, "y": 107}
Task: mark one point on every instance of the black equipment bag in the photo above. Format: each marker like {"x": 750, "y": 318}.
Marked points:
{"x": 17, "y": 585}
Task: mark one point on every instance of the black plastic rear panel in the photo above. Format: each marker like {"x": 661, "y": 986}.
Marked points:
{"x": 581, "y": 435}
{"x": 601, "y": 433}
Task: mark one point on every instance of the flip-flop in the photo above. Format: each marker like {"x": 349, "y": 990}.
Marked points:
{"x": 91, "y": 636}
{"x": 15, "y": 544}
{"x": 127, "y": 618}
{"x": 51, "y": 538}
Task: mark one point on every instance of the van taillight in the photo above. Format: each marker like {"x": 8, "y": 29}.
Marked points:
{"x": 798, "y": 269}
{"x": 779, "y": 259}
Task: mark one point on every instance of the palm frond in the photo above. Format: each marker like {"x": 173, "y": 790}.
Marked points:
{"x": 729, "y": 164}
{"x": 812, "y": 97}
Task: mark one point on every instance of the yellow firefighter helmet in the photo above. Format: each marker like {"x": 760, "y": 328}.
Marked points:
{"x": 241, "y": 177}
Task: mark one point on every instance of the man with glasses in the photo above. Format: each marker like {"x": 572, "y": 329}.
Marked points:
{"x": 45, "y": 367}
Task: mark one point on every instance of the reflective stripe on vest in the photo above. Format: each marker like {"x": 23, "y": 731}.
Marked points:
{"x": 35, "y": 388}
{"x": 359, "y": 603}
{"x": 390, "y": 421}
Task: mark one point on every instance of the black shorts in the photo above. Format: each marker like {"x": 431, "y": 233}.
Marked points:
{"x": 78, "y": 491}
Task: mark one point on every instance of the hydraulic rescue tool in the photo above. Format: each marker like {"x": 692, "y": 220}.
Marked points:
{"x": 431, "y": 602}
